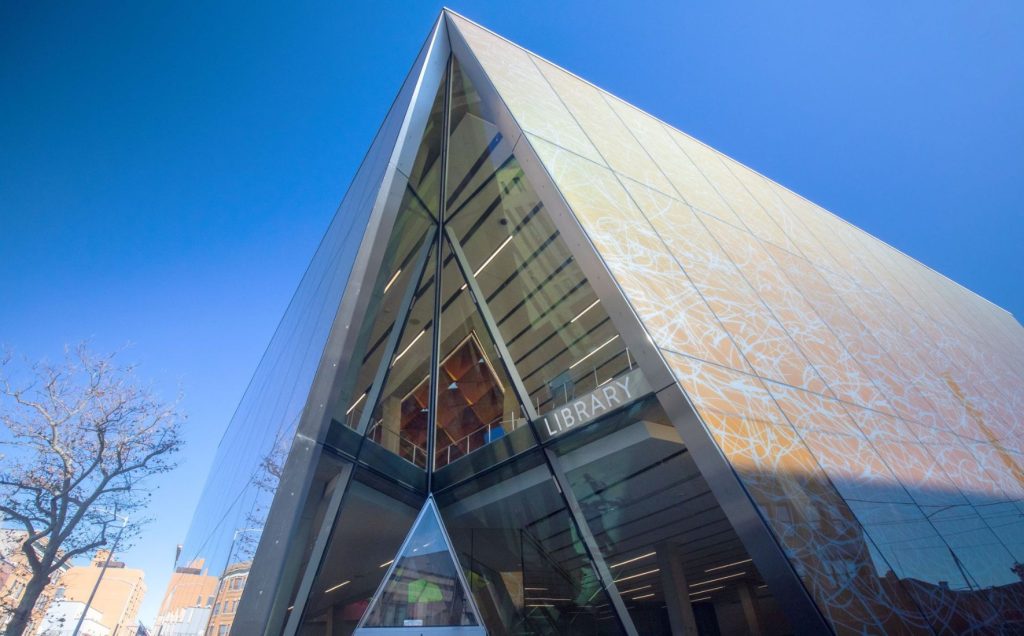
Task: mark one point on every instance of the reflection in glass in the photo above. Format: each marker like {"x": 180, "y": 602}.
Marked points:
{"x": 560, "y": 338}
{"x": 525, "y": 563}
{"x": 424, "y": 586}
{"x": 399, "y": 421}
{"x": 416, "y": 214}
{"x": 397, "y": 274}
{"x": 672, "y": 552}
{"x": 374, "y": 518}
{"x": 476, "y": 403}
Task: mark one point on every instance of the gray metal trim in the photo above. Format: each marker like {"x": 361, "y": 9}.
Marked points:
{"x": 589, "y": 542}
{"x": 319, "y": 547}
{"x": 741, "y": 511}
{"x": 435, "y": 338}
{"x": 262, "y": 608}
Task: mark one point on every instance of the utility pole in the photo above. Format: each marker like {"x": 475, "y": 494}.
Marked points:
{"x": 103, "y": 570}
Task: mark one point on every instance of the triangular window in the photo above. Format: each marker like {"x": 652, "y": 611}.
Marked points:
{"x": 424, "y": 587}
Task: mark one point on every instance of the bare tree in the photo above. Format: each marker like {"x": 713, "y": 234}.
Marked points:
{"x": 80, "y": 438}
{"x": 266, "y": 479}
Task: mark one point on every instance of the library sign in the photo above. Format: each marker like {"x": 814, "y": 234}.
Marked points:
{"x": 610, "y": 396}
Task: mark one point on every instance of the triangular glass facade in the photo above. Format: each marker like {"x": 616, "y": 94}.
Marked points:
{"x": 532, "y": 238}
{"x": 483, "y": 308}
{"x": 505, "y": 276}
{"x": 424, "y": 586}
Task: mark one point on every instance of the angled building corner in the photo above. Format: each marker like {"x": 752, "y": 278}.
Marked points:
{"x": 622, "y": 382}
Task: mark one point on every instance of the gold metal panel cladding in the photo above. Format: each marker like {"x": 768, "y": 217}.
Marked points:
{"x": 870, "y": 407}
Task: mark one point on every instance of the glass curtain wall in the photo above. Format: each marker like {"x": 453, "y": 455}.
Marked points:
{"x": 483, "y": 303}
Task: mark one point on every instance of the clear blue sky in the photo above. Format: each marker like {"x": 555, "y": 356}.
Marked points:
{"x": 166, "y": 170}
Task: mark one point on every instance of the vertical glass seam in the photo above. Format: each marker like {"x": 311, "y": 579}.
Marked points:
{"x": 435, "y": 342}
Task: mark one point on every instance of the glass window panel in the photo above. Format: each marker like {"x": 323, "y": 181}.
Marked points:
{"x": 373, "y": 520}
{"x": 411, "y": 228}
{"x": 399, "y": 421}
{"x": 526, "y": 566}
{"x": 416, "y": 215}
{"x": 560, "y": 338}
{"x": 423, "y": 588}
{"x": 476, "y": 403}
{"x": 658, "y": 526}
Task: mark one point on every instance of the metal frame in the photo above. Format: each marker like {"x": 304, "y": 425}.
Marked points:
{"x": 435, "y": 339}
{"x": 263, "y": 608}
{"x": 334, "y": 505}
{"x": 725, "y": 484}
{"x": 554, "y": 466}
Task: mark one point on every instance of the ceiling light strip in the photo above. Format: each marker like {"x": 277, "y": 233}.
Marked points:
{"x": 355, "y": 404}
{"x": 728, "y": 565}
{"x": 391, "y": 282}
{"x": 491, "y": 257}
{"x": 602, "y": 346}
{"x": 331, "y": 589}
{"x": 642, "y": 556}
{"x": 636, "y": 576}
{"x": 580, "y": 315}
{"x": 721, "y": 578}
{"x": 409, "y": 346}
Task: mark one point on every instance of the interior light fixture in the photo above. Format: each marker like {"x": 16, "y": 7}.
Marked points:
{"x": 635, "y": 589}
{"x": 408, "y": 346}
{"x": 488, "y": 261}
{"x": 601, "y": 346}
{"x": 491, "y": 257}
{"x": 589, "y": 307}
{"x": 545, "y": 598}
{"x": 703, "y": 598}
{"x": 331, "y": 589}
{"x": 721, "y": 578}
{"x": 386, "y": 563}
{"x": 391, "y": 282}
{"x": 355, "y": 404}
{"x": 637, "y": 598}
{"x": 709, "y": 590}
{"x": 728, "y": 565}
{"x": 636, "y": 576}
{"x": 642, "y": 556}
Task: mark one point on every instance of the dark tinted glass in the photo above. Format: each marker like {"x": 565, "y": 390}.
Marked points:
{"x": 374, "y": 519}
